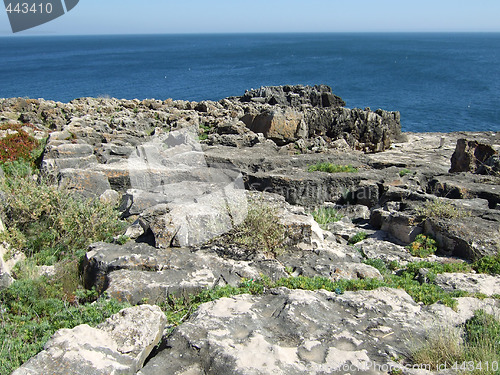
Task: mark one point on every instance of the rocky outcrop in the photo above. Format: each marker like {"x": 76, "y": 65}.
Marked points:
{"x": 471, "y": 156}
{"x": 120, "y": 345}
{"x": 138, "y": 272}
{"x": 284, "y": 114}
{"x": 472, "y": 234}
{"x": 294, "y": 96}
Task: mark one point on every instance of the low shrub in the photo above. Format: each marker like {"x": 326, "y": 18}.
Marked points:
{"x": 261, "y": 230}
{"x": 19, "y": 145}
{"x": 48, "y": 223}
{"x": 441, "y": 210}
{"x": 436, "y": 268}
{"x": 488, "y": 264}
{"x": 332, "y": 168}
{"x": 475, "y": 349}
{"x": 423, "y": 246}
{"x": 326, "y": 215}
{"x": 378, "y": 264}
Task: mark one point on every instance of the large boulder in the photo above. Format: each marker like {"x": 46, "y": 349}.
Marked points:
{"x": 120, "y": 345}
{"x": 281, "y": 126}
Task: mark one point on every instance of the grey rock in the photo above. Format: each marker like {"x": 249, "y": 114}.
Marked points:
{"x": 296, "y": 332}
{"x": 88, "y": 183}
{"x": 470, "y": 238}
{"x": 120, "y": 345}
{"x": 135, "y": 272}
{"x": 472, "y": 283}
{"x": 110, "y": 196}
{"x": 400, "y": 224}
{"x": 387, "y": 251}
{"x": 466, "y": 186}
{"x": 294, "y": 96}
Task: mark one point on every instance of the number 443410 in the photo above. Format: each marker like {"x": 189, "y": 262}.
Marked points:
{"x": 25, "y": 8}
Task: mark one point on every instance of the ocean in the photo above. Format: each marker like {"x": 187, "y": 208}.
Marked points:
{"x": 439, "y": 82}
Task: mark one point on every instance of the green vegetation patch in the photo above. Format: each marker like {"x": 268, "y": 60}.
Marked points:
{"x": 332, "y": 168}
{"x": 475, "y": 349}
{"x": 33, "y": 310}
{"x": 441, "y": 210}
{"x": 326, "y": 215}
{"x": 358, "y": 237}
{"x": 488, "y": 264}
{"x": 423, "y": 246}
{"x": 404, "y": 172}
{"x": 51, "y": 227}
{"x": 48, "y": 223}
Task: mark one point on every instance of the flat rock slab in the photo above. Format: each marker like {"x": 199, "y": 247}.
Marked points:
{"x": 120, "y": 345}
{"x": 138, "y": 272}
{"x": 472, "y": 283}
{"x": 299, "y": 332}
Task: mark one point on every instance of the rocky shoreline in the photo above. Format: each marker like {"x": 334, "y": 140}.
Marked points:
{"x": 186, "y": 175}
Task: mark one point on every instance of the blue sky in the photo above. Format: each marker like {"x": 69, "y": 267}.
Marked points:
{"x": 226, "y": 16}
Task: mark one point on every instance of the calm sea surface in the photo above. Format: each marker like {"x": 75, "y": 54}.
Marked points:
{"x": 439, "y": 82}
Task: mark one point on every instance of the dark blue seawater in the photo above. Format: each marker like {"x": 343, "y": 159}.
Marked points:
{"x": 439, "y": 82}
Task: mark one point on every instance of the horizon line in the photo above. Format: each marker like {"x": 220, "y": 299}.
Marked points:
{"x": 17, "y": 35}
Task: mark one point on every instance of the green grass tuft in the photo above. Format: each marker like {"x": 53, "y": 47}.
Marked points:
{"x": 358, "y": 237}
{"x": 261, "y": 230}
{"x": 326, "y": 215}
{"x": 332, "y": 168}
{"x": 475, "y": 349}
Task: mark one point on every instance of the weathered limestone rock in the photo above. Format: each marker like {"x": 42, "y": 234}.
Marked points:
{"x": 466, "y": 186}
{"x": 136, "y": 272}
{"x": 281, "y": 126}
{"x": 294, "y": 96}
{"x": 470, "y": 155}
{"x": 471, "y": 237}
{"x": 120, "y": 345}
{"x": 296, "y": 332}
{"x": 472, "y": 283}
{"x": 67, "y": 155}
{"x": 387, "y": 251}
{"x": 86, "y": 182}
{"x": 400, "y": 224}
